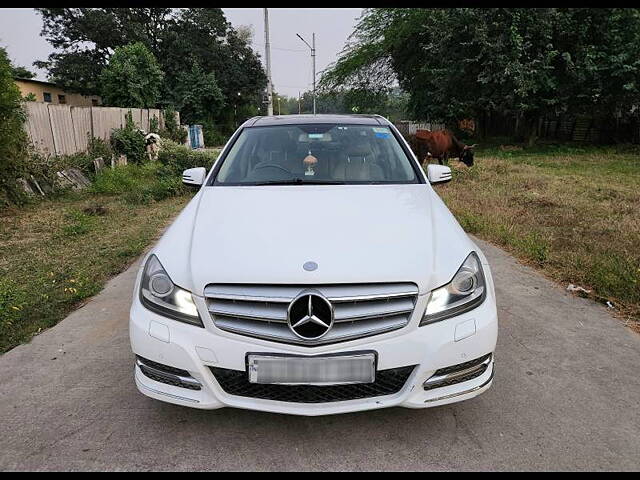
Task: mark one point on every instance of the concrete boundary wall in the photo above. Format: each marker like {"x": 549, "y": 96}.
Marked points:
{"x": 65, "y": 130}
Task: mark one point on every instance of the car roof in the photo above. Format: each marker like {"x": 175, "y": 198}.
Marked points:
{"x": 320, "y": 118}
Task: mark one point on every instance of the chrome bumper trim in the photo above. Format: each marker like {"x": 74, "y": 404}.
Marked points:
{"x": 159, "y": 392}
{"x": 457, "y": 374}
{"x": 169, "y": 376}
{"x": 465, "y": 392}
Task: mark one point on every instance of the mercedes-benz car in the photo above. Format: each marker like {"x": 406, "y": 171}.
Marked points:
{"x": 315, "y": 271}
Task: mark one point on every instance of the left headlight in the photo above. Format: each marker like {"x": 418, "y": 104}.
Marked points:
{"x": 464, "y": 292}
{"x": 159, "y": 294}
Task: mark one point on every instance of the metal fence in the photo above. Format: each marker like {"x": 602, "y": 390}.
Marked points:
{"x": 65, "y": 130}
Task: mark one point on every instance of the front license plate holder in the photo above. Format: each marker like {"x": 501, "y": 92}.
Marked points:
{"x": 342, "y": 369}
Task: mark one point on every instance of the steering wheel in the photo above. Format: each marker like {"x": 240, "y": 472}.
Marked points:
{"x": 272, "y": 165}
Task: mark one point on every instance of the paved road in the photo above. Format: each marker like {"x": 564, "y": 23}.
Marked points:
{"x": 565, "y": 396}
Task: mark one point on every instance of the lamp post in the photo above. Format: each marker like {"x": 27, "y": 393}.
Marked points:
{"x": 313, "y": 58}
{"x": 235, "y": 109}
{"x": 268, "y": 61}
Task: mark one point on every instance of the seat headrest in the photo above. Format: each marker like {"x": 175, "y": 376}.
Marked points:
{"x": 278, "y": 140}
{"x": 359, "y": 148}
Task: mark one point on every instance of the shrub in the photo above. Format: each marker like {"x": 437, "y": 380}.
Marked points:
{"x": 154, "y": 124}
{"x": 13, "y": 138}
{"x": 172, "y": 130}
{"x": 99, "y": 148}
{"x": 129, "y": 141}
{"x": 178, "y": 158}
{"x": 213, "y": 137}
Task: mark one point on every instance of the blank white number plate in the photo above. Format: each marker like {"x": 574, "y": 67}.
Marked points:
{"x": 329, "y": 370}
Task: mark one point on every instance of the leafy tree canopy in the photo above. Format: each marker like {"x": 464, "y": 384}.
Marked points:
{"x": 22, "y": 72}
{"x": 462, "y": 62}
{"x": 196, "y": 95}
{"x": 132, "y": 78}
{"x": 85, "y": 39}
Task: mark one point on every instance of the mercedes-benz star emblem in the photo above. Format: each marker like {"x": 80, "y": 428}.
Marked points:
{"x": 310, "y": 316}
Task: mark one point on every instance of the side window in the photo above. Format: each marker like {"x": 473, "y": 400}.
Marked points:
{"x": 46, "y": 96}
{"x": 62, "y": 99}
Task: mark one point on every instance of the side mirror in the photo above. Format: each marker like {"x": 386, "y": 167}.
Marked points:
{"x": 438, "y": 173}
{"x": 194, "y": 177}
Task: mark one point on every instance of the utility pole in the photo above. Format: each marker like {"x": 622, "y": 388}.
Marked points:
{"x": 299, "y": 106}
{"x": 268, "y": 60}
{"x": 313, "y": 59}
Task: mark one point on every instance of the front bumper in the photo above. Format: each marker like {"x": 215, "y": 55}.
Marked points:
{"x": 430, "y": 348}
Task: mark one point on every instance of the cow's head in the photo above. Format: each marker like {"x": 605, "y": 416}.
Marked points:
{"x": 467, "y": 155}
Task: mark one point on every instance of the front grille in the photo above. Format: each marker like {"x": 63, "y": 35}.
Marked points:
{"x": 360, "y": 310}
{"x": 388, "y": 382}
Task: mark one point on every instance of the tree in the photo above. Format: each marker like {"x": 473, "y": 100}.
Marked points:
{"x": 85, "y": 38}
{"x": 13, "y": 138}
{"x": 21, "y": 72}
{"x": 132, "y": 78}
{"x": 197, "y": 95}
{"x": 514, "y": 63}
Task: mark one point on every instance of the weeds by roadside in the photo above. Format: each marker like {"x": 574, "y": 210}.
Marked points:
{"x": 57, "y": 251}
{"x": 571, "y": 211}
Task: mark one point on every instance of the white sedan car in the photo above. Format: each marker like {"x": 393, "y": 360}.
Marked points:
{"x": 316, "y": 271}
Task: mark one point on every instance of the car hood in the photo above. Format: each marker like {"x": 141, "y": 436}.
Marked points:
{"x": 355, "y": 234}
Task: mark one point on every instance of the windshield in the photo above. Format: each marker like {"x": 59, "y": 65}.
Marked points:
{"x": 316, "y": 154}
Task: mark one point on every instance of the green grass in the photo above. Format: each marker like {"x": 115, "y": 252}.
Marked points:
{"x": 571, "y": 211}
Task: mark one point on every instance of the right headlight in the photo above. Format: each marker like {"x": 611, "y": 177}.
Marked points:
{"x": 464, "y": 292}
{"x": 159, "y": 294}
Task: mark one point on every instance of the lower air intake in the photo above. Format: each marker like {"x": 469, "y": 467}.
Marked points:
{"x": 388, "y": 382}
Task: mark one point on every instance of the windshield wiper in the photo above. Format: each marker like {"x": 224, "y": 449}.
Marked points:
{"x": 299, "y": 181}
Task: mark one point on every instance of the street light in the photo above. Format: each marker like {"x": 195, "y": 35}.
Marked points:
{"x": 235, "y": 118}
{"x": 313, "y": 58}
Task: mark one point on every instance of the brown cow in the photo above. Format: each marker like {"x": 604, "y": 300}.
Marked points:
{"x": 442, "y": 144}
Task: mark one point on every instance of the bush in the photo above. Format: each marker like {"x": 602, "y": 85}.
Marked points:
{"x": 213, "y": 136}
{"x": 178, "y": 158}
{"x": 13, "y": 138}
{"x": 172, "y": 130}
{"x": 154, "y": 124}
{"x": 99, "y": 148}
{"x": 129, "y": 141}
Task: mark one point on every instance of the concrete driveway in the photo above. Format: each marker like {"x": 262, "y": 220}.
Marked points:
{"x": 565, "y": 396}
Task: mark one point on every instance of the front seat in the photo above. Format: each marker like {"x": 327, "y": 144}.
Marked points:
{"x": 274, "y": 151}
{"x": 359, "y": 164}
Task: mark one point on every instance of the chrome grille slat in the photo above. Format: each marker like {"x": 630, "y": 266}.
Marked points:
{"x": 361, "y": 310}
{"x": 259, "y": 310}
{"x": 364, "y": 309}
{"x": 280, "y": 332}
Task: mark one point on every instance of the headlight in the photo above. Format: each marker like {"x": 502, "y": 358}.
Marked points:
{"x": 464, "y": 292}
{"x": 159, "y": 294}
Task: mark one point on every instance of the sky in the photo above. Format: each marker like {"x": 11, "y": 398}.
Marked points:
{"x": 290, "y": 57}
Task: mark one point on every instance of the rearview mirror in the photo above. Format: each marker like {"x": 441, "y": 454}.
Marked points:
{"x": 194, "y": 177}
{"x": 438, "y": 173}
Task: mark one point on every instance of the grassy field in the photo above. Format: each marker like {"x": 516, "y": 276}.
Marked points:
{"x": 57, "y": 253}
{"x": 574, "y": 213}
